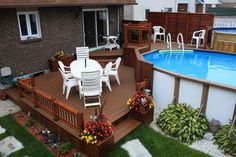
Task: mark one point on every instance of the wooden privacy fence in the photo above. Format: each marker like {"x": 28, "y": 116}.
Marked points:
{"x": 185, "y": 23}
{"x": 59, "y": 110}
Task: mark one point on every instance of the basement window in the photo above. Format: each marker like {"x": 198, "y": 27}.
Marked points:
{"x": 29, "y": 25}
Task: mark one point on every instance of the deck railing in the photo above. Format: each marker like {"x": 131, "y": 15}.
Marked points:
{"x": 59, "y": 110}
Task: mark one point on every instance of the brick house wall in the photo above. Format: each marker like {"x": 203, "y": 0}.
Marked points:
{"x": 61, "y": 29}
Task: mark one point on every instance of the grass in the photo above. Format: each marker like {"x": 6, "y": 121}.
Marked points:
{"x": 31, "y": 146}
{"x": 158, "y": 145}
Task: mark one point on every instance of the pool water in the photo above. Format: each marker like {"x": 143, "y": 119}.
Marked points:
{"x": 226, "y": 30}
{"x": 206, "y": 65}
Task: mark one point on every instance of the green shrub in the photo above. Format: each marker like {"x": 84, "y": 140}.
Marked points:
{"x": 29, "y": 122}
{"x": 65, "y": 147}
{"x": 225, "y": 142}
{"x": 183, "y": 122}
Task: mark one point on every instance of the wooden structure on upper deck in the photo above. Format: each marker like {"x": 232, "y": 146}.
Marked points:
{"x": 224, "y": 42}
{"x": 185, "y": 23}
{"x": 137, "y": 34}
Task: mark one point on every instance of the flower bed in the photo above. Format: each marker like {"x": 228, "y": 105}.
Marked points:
{"x": 35, "y": 128}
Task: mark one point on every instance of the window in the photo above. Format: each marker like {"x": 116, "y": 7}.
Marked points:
{"x": 29, "y": 25}
{"x": 167, "y": 9}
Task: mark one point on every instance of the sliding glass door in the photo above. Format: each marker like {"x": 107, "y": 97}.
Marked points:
{"x": 95, "y": 27}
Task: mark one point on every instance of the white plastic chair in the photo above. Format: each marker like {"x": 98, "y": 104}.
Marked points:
{"x": 198, "y": 36}
{"x": 158, "y": 30}
{"x": 91, "y": 88}
{"x": 68, "y": 83}
{"x": 111, "y": 42}
{"x": 82, "y": 52}
{"x": 105, "y": 75}
{"x": 64, "y": 69}
{"x": 114, "y": 71}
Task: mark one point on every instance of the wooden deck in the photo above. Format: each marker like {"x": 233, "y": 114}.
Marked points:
{"x": 115, "y": 100}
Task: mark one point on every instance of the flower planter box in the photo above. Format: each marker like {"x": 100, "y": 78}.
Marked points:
{"x": 99, "y": 149}
{"x": 53, "y": 64}
{"x": 146, "y": 118}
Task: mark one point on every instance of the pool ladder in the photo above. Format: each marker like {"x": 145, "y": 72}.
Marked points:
{"x": 180, "y": 41}
{"x": 168, "y": 42}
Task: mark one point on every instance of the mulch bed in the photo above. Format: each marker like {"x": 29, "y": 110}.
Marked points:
{"x": 36, "y": 129}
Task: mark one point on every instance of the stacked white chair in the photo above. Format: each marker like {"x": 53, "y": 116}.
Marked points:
{"x": 198, "y": 36}
{"x": 91, "y": 88}
{"x": 158, "y": 31}
{"x": 64, "y": 69}
{"x": 82, "y": 53}
{"x": 114, "y": 71}
{"x": 105, "y": 75}
{"x": 68, "y": 83}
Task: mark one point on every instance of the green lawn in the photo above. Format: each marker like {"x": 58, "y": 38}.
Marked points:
{"x": 32, "y": 147}
{"x": 157, "y": 144}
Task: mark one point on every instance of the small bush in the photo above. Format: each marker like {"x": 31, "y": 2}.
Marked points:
{"x": 183, "y": 122}
{"x": 29, "y": 122}
{"x": 65, "y": 147}
{"x": 225, "y": 142}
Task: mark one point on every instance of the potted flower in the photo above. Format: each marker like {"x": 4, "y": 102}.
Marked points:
{"x": 97, "y": 136}
{"x": 141, "y": 106}
{"x": 62, "y": 56}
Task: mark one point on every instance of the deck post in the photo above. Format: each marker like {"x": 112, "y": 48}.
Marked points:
{"x": 55, "y": 110}
{"x": 35, "y": 97}
{"x": 20, "y": 89}
{"x": 80, "y": 120}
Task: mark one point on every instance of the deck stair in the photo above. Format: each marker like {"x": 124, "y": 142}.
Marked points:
{"x": 105, "y": 56}
{"x": 124, "y": 127}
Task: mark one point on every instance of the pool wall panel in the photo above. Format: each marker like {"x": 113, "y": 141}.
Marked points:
{"x": 220, "y": 104}
{"x": 163, "y": 89}
{"x": 190, "y": 92}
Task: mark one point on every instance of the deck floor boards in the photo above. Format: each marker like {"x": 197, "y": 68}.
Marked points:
{"x": 115, "y": 107}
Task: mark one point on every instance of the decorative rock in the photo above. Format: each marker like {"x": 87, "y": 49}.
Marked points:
{"x": 208, "y": 136}
{"x": 214, "y": 126}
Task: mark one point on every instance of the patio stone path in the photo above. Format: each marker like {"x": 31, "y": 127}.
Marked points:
{"x": 8, "y": 107}
{"x": 136, "y": 149}
{"x": 9, "y": 145}
{"x": 2, "y": 130}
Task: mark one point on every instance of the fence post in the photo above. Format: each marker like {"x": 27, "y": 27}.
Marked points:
{"x": 55, "y": 110}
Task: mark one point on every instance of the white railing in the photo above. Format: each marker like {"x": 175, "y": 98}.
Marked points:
{"x": 225, "y": 22}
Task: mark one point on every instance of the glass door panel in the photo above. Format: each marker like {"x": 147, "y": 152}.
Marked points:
{"x": 101, "y": 26}
{"x": 90, "y": 29}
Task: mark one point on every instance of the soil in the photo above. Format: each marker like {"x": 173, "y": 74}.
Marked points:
{"x": 36, "y": 129}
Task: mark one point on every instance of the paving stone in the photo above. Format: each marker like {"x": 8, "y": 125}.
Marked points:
{"x": 136, "y": 149}
{"x": 9, "y": 145}
{"x": 8, "y": 107}
{"x": 2, "y": 130}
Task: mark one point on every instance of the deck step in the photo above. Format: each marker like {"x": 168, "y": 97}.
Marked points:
{"x": 13, "y": 94}
{"x": 124, "y": 128}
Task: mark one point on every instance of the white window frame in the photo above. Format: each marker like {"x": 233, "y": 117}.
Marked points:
{"x": 29, "y": 36}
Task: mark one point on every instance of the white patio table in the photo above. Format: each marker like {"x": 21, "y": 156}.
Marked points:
{"x": 84, "y": 65}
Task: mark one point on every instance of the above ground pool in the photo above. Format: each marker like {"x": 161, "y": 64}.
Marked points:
{"x": 205, "y": 65}
{"x": 225, "y": 30}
